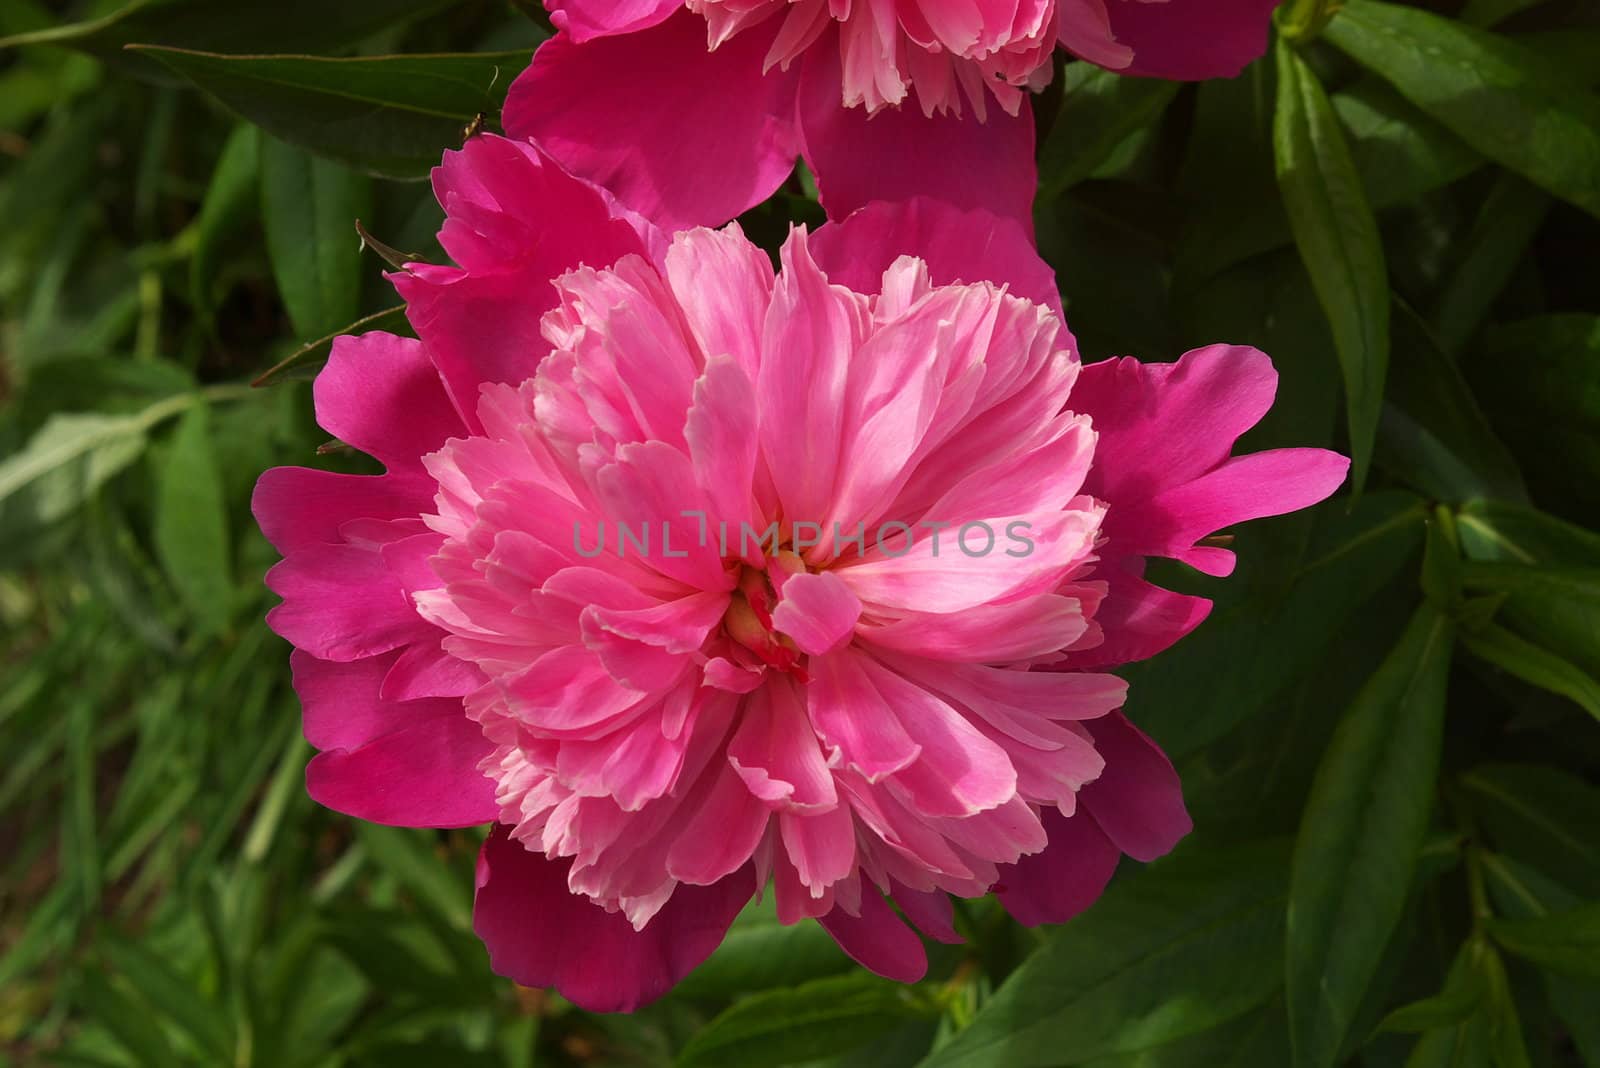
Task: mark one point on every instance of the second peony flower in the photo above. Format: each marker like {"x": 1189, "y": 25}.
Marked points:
{"x": 701, "y": 577}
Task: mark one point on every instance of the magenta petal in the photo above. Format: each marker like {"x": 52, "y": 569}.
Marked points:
{"x": 1068, "y": 877}
{"x": 1138, "y": 619}
{"x": 341, "y": 603}
{"x": 878, "y": 939}
{"x": 931, "y": 911}
{"x": 425, "y": 775}
{"x": 382, "y": 395}
{"x": 1138, "y": 800}
{"x": 538, "y": 933}
{"x": 686, "y": 136}
{"x": 583, "y": 19}
{"x": 299, "y": 507}
{"x": 342, "y": 707}
{"x": 900, "y": 153}
{"x": 1190, "y": 40}
{"x": 959, "y": 247}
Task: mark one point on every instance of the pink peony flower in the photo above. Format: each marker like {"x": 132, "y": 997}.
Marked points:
{"x": 694, "y": 111}
{"x": 624, "y": 589}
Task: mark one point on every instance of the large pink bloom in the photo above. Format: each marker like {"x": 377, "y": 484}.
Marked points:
{"x": 692, "y": 111}
{"x": 774, "y": 696}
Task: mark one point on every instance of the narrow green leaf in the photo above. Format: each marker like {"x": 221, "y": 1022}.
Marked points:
{"x": 1100, "y": 110}
{"x": 1498, "y": 96}
{"x": 230, "y": 202}
{"x": 309, "y": 207}
{"x": 1445, "y": 1009}
{"x": 1535, "y": 666}
{"x": 1542, "y": 815}
{"x": 1338, "y": 239}
{"x": 813, "y": 1020}
{"x": 1174, "y": 950}
{"x": 406, "y": 855}
{"x": 387, "y": 115}
{"x": 1507, "y": 222}
{"x": 1364, "y": 825}
{"x": 1558, "y": 609}
{"x": 191, "y": 522}
{"x": 1503, "y": 532}
{"x": 69, "y": 458}
{"x": 1564, "y": 942}
{"x": 128, "y": 1021}
{"x": 173, "y": 995}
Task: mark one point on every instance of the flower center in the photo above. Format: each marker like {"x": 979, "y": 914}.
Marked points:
{"x": 748, "y": 620}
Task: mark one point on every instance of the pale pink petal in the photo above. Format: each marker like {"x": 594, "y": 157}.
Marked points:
{"x": 686, "y": 136}
{"x": 958, "y": 247}
{"x": 959, "y": 772}
{"x": 423, "y": 775}
{"x": 818, "y": 611}
{"x": 540, "y": 934}
{"x": 820, "y": 845}
{"x": 722, "y": 437}
{"x": 1138, "y": 800}
{"x": 1067, "y": 877}
{"x": 852, "y": 716}
{"x": 999, "y": 634}
{"x": 724, "y": 284}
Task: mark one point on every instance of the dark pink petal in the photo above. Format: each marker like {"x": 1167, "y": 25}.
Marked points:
{"x": 514, "y": 222}
{"x": 583, "y": 19}
{"x": 931, "y": 911}
{"x": 298, "y": 507}
{"x": 900, "y": 153}
{"x": 959, "y": 247}
{"x": 1068, "y": 877}
{"x": 540, "y": 934}
{"x": 878, "y": 939}
{"x": 380, "y": 393}
{"x": 1190, "y": 40}
{"x": 1138, "y": 800}
{"x": 1138, "y": 619}
{"x": 424, "y": 775}
{"x": 342, "y": 707}
{"x": 686, "y": 136}
{"x": 341, "y": 603}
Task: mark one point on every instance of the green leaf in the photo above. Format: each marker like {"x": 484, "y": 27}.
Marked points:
{"x": 1175, "y": 950}
{"x": 1474, "y": 1020}
{"x": 1497, "y": 96}
{"x": 191, "y": 522}
{"x": 1489, "y": 255}
{"x": 1100, "y": 110}
{"x": 1502, "y": 532}
{"x": 1248, "y": 654}
{"x": 69, "y": 458}
{"x": 387, "y": 115}
{"x": 1338, "y": 239}
{"x": 810, "y": 1021}
{"x": 1257, "y": 1040}
{"x": 1364, "y": 825}
{"x": 1447, "y": 1008}
{"x": 230, "y": 203}
{"x": 310, "y": 207}
{"x": 130, "y": 1022}
{"x": 1434, "y": 435}
{"x": 237, "y": 26}
{"x": 1557, "y": 609}
{"x": 759, "y": 953}
{"x": 1535, "y": 666}
{"x": 1542, "y": 815}
{"x": 175, "y": 997}
{"x": 405, "y": 854}
{"x": 1564, "y": 942}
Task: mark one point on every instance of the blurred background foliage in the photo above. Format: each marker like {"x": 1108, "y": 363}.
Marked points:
{"x": 1386, "y": 730}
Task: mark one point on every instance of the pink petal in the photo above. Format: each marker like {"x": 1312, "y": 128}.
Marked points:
{"x": 723, "y": 283}
{"x": 1138, "y": 800}
{"x": 341, "y": 603}
{"x": 931, "y": 911}
{"x": 380, "y": 393}
{"x": 959, "y": 771}
{"x": 852, "y": 716}
{"x": 722, "y": 436}
{"x": 821, "y": 845}
{"x": 583, "y": 19}
{"x": 1063, "y": 880}
{"x": 958, "y": 246}
{"x": 775, "y": 751}
{"x": 722, "y": 834}
{"x": 1084, "y": 29}
{"x": 424, "y": 775}
{"x": 538, "y": 933}
{"x": 877, "y": 939}
{"x": 684, "y": 135}
{"x": 1190, "y": 40}
{"x": 818, "y": 611}
{"x": 1138, "y": 619}
{"x": 514, "y": 221}
{"x": 298, "y": 507}
{"x": 426, "y": 670}
{"x": 900, "y": 153}
{"x": 341, "y": 705}
{"x": 991, "y": 633}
